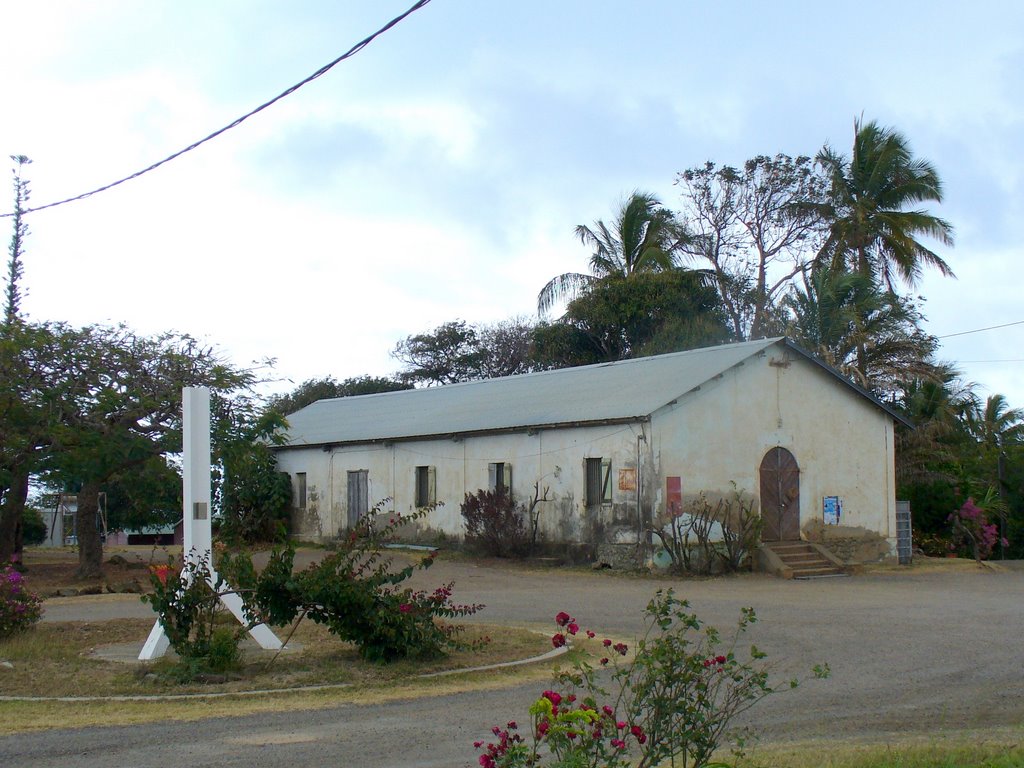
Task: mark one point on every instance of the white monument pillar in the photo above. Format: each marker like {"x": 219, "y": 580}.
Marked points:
{"x": 196, "y": 524}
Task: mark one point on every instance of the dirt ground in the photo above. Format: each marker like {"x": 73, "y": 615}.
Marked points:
{"x": 919, "y": 650}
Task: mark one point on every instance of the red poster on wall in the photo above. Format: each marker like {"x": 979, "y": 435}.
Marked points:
{"x": 674, "y": 496}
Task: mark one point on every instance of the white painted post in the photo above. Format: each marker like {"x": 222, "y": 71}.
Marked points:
{"x": 197, "y": 530}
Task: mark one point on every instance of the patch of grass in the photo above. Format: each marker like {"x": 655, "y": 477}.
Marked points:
{"x": 56, "y": 659}
{"x": 995, "y": 748}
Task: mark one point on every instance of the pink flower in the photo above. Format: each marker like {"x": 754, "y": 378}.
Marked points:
{"x": 621, "y": 724}
{"x": 405, "y": 608}
{"x": 558, "y": 640}
{"x": 562, "y": 619}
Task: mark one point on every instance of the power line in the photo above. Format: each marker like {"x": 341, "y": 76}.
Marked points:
{"x": 323, "y": 70}
{"x": 979, "y": 330}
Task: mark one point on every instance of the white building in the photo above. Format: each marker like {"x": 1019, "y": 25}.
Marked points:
{"x": 618, "y": 445}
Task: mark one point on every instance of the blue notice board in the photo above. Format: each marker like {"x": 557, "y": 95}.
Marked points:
{"x": 832, "y": 506}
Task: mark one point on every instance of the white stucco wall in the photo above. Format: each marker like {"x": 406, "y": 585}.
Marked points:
{"x": 556, "y": 458}
{"x": 842, "y": 443}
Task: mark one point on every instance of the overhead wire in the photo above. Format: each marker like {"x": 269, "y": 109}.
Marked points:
{"x": 979, "y": 330}
{"x": 235, "y": 123}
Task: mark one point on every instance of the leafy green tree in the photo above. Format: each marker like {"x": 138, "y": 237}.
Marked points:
{"x": 873, "y": 227}
{"x": 643, "y": 238}
{"x": 328, "y": 387}
{"x": 757, "y": 228}
{"x": 251, "y": 497}
{"x": 447, "y": 355}
{"x": 127, "y": 411}
{"x": 37, "y": 378}
{"x": 458, "y": 351}
{"x": 872, "y": 335}
{"x": 618, "y": 318}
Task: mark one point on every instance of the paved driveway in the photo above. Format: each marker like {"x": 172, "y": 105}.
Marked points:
{"x": 910, "y": 652}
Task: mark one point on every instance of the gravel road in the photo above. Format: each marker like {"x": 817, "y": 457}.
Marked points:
{"x": 911, "y": 651}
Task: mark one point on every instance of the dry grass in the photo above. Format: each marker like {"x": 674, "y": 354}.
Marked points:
{"x": 55, "y": 659}
{"x": 994, "y": 748}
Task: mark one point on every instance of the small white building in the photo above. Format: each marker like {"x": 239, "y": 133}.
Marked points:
{"x": 619, "y": 445}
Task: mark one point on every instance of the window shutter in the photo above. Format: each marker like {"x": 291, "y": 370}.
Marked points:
{"x": 606, "y": 481}
{"x": 431, "y": 485}
{"x": 507, "y": 479}
{"x": 492, "y": 477}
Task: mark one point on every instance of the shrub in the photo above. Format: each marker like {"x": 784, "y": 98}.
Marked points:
{"x": 495, "y": 525}
{"x": 356, "y": 593}
{"x": 672, "y": 703}
{"x": 690, "y": 540}
{"x": 188, "y": 609}
{"x": 19, "y": 608}
{"x": 33, "y": 528}
{"x": 973, "y": 534}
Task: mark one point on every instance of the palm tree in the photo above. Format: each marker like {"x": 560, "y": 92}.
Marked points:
{"x": 871, "y": 335}
{"x": 871, "y": 229}
{"x": 643, "y": 239}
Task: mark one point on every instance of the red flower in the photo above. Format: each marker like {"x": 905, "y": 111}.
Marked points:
{"x": 720, "y": 659}
{"x": 553, "y": 696}
{"x": 606, "y": 642}
{"x": 573, "y": 628}
{"x": 617, "y": 743}
{"x": 542, "y": 728}
{"x": 590, "y": 634}
{"x": 604, "y": 661}
{"x": 621, "y": 648}
{"x": 562, "y": 619}
{"x": 405, "y": 608}
{"x": 621, "y": 724}
{"x": 486, "y": 761}
{"x": 558, "y": 640}
{"x": 608, "y": 710}
{"x": 637, "y": 731}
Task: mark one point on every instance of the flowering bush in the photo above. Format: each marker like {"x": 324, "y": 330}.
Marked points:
{"x": 672, "y": 702}
{"x": 356, "y": 593}
{"x": 495, "y": 524}
{"x": 973, "y": 534}
{"x": 187, "y": 607}
{"x": 19, "y": 608}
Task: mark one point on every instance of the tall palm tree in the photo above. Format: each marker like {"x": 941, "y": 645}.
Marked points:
{"x": 643, "y": 238}
{"x": 871, "y": 335}
{"x": 872, "y": 228}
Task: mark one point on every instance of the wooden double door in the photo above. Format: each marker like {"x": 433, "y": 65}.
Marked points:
{"x": 780, "y": 496}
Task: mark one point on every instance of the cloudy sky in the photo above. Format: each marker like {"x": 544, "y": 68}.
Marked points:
{"x": 439, "y": 173}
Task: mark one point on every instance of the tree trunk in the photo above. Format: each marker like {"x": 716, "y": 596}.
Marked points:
{"x": 90, "y": 546}
{"x": 10, "y": 515}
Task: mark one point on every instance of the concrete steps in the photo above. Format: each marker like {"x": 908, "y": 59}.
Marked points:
{"x": 801, "y": 560}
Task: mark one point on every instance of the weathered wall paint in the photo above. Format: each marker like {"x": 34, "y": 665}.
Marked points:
{"x": 711, "y": 438}
{"x": 844, "y": 445}
{"x": 555, "y": 458}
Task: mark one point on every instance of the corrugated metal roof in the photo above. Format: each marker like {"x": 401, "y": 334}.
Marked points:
{"x": 616, "y": 391}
